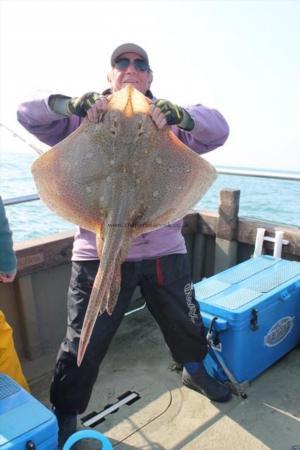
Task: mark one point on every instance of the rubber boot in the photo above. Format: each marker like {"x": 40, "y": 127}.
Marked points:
{"x": 67, "y": 425}
{"x": 201, "y": 382}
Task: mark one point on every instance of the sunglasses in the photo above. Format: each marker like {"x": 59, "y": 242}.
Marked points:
{"x": 139, "y": 64}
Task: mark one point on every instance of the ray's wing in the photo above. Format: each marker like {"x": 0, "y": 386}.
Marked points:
{"x": 71, "y": 179}
{"x": 74, "y": 178}
{"x": 172, "y": 179}
{"x": 180, "y": 181}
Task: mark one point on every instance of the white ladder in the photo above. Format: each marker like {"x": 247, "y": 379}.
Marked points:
{"x": 277, "y": 240}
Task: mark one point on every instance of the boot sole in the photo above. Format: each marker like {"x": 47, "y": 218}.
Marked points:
{"x": 224, "y": 399}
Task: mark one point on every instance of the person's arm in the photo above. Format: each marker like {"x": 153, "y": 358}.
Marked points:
{"x": 54, "y": 118}
{"x": 209, "y": 132}
{"x": 8, "y": 261}
{"x": 48, "y": 126}
{"x": 200, "y": 128}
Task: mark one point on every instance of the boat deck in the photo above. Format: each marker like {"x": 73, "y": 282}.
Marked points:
{"x": 171, "y": 417}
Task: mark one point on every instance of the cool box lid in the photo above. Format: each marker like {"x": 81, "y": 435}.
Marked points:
{"x": 251, "y": 284}
{"x": 21, "y": 413}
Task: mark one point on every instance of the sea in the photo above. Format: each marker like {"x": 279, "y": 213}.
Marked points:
{"x": 266, "y": 199}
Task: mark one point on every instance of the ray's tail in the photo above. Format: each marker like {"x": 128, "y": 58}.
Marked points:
{"x": 107, "y": 284}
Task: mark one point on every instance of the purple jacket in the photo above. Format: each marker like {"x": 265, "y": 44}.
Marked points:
{"x": 210, "y": 131}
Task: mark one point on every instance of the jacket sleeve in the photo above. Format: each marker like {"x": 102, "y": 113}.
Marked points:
{"x": 8, "y": 260}
{"x": 48, "y": 126}
{"x": 211, "y": 129}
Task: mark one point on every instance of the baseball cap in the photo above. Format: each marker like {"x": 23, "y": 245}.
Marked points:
{"x": 128, "y": 48}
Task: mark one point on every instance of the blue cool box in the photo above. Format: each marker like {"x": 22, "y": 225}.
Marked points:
{"x": 24, "y": 422}
{"x": 257, "y": 310}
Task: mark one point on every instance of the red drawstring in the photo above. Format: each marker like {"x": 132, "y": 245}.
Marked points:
{"x": 159, "y": 273}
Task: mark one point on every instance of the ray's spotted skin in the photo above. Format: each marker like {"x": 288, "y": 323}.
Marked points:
{"x": 106, "y": 164}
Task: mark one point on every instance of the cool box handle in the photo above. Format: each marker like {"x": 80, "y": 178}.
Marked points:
{"x": 219, "y": 324}
{"x": 285, "y": 295}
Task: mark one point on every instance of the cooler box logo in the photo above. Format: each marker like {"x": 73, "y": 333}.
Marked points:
{"x": 279, "y": 331}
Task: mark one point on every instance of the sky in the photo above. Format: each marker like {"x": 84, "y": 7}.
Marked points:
{"x": 240, "y": 57}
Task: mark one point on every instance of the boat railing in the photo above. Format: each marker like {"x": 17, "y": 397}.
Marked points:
{"x": 215, "y": 240}
{"x": 222, "y": 171}
{"x": 291, "y": 176}
{"x": 20, "y": 199}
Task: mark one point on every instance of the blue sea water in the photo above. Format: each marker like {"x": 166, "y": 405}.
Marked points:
{"x": 266, "y": 199}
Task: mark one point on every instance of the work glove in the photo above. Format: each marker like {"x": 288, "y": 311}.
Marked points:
{"x": 67, "y": 106}
{"x": 175, "y": 115}
{"x": 80, "y": 105}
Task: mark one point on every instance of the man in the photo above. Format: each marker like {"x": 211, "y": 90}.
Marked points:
{"x": 9, "y": 361}
{"x": 157, "y": 261}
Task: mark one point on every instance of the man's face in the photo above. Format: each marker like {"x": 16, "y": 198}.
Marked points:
{"x": 119, "y": 78}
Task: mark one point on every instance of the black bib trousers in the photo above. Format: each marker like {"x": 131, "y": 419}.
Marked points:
{"x": 166, "y": 286}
